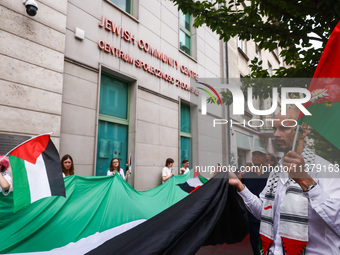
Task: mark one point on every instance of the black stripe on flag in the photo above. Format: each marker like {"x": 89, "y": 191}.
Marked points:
{"x": 53, "y": 169}
{"x": 186, "y": 187}
{"x": 211, "y": 215}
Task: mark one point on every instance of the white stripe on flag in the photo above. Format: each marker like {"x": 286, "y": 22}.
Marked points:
{"x": 89, "y": 243}
{"x": 194, "y": 182}
{"x": 37, "y": 179}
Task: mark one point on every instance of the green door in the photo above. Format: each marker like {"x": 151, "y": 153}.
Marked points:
{"x": 112, "y": 124}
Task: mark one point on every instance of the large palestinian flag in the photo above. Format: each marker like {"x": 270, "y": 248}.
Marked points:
{"x": 105, "y": 215}
{"x": 325, "y": 91}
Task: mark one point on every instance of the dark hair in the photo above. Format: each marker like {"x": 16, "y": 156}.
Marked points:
{"x": 65, "y": 171}
{"x": 111, "y": 165}
{"x": 169, "y": 161}
{"x": 272, "y": 158}
{"x": 185, "y": 161}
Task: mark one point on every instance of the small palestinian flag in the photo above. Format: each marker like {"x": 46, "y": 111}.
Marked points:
{"x": 36, "y": 171}
{"x": 192, "y": 184}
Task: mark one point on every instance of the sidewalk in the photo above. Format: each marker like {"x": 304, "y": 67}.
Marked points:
{"x": 242, "y": 248}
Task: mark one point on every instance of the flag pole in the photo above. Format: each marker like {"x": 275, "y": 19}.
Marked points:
{"x": 3, "y": 157}
{"x": 296, "y": 138}
{"x": 22, "y": 144}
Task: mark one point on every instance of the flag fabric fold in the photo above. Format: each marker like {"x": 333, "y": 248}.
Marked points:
{"x": 209, "y": 216}
{"x": 98, "y": 209}
{"x": 36, "y": 171}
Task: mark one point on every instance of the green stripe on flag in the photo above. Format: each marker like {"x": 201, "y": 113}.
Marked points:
{"x": 21, "y": 191}
{"x": 202, "y": 179}
{"x": 325, "y": 120}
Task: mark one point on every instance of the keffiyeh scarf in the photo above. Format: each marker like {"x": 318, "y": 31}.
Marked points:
{"x": 293, "y": 227}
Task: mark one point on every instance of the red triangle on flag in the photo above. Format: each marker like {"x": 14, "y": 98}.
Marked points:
{"x": 31, "y": 149}
{"x": 327, "y": 73}
{"x": 196, "y": 173}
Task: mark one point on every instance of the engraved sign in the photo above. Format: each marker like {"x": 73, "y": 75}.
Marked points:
{"x": 8, "y": 142}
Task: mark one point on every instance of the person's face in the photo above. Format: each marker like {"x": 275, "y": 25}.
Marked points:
{"x": 185, "y": 165}
{"x": 170, "y": 165}
{"x": 284, "y": 135}
{"x": 258, "y": 158}
{"x": 115, "y": 163}
{"x": 269, "y": 161}
{"x": 67, "y": 164}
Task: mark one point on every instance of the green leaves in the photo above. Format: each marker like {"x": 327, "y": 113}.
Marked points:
{"x": 289, "y": 24}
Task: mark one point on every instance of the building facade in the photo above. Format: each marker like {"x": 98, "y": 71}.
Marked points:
{"x": 110, "y": 78}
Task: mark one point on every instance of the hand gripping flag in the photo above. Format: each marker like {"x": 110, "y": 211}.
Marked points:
{"x": 129, "y": 163}
{"x": 36, "y": 171}
{"x": 325, "y": 92}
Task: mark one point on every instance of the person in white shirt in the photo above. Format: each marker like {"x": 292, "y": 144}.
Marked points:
{"x": 167, "y": 171}
{"x": 115, "y": 166}
{"x": 5, "y": 179}
{"x": 185, "y": 169}
{"x": 297, "y": 208}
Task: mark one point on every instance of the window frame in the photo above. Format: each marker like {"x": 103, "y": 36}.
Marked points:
{"x": 126, "y": 1}
{"x": 185, "y": 31}
{"x": 113, "y": 119}
{"x": 185, "y": 134}
{"x": 270, "y": 69}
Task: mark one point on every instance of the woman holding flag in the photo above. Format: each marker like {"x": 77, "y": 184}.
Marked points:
{"x": 5, "y": 178}
{"x": 115, "y": 166}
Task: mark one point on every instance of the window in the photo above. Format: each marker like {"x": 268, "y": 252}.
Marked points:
{"x": 246, "y": 108}
{"x": 257, "y": 52}
{"x": 185, "y": 133}
{"x": 240, "y": 44}
{"x": 276, "y": 54}
{"x": 113, "y": 123}
{"x": 242, "y": 48}
{"x": 185, "y": 32}
{"x": 125, "y": 5}
{"x": 270, "y": 69}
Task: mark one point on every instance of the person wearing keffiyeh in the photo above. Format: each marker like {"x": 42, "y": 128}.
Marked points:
{"x": 300, "y": 206}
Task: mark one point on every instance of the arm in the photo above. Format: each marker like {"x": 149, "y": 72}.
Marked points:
{"x": 127, "y": 174}
{"x": 324, "y": 198}
{"x": 252, "y": 202}
{"x": 165, "y": 178}
{"x": 166, "y": 174}
{"x": 5, "y": 184}
{"x": 181, "y": 171}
